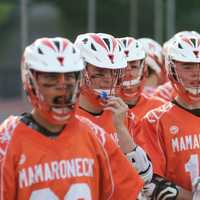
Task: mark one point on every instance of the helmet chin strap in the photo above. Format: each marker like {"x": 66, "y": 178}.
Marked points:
{"x": 185, "y": 95}
{"x": 131, "y": 83}
{"x": 136, "y": 85}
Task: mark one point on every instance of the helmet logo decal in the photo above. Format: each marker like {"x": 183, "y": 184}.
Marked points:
{"x": 111, "y": 57}
{"x": 196, "y": 53}
{"x": 126, "y": 52}
{"x": 61, "y": 60}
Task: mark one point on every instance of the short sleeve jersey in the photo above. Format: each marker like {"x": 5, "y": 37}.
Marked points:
{"x": 103, "y": 120}
{"x": 75, "y": 165}
{"x": 171, "y": 136}
{"x": 138, "y": 111}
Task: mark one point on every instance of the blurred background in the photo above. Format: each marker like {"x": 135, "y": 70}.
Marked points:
{"x": 22, "y": 21}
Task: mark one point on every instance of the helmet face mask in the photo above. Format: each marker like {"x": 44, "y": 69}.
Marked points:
{"x": 186, "y": 80}
{"x": 57, "y": 93}
{"x": 99, "y": 83}
{"x": 133, "y": 78}
{"x": 183, "y": 65}
{"x": 154, "y": 59}
{"x": 52, "y": 87}
{"x": 100, "y": 78}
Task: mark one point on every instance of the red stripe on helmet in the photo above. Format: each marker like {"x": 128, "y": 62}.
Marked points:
{"x": 187, "y": 41}
{"x": 98, "y": 40}
{"x": 48, "y": 43}
{"x": 65, "y": 43}
{"x": 114, "y": 43}
{"x": 129, "y": 41}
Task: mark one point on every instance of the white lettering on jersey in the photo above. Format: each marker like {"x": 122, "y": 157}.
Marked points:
{"x": 115, "y": 138}
{"x": 187, "y": 142}
{"x": 154, "y": 115}
{"x": 59, "y": 169}
{"x": 97, "y": 130}
{"x": 6, "y": 131}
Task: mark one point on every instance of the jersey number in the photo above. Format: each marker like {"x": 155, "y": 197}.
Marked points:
{"x": 76, "y": 192}
{"x": 192, "y": 166}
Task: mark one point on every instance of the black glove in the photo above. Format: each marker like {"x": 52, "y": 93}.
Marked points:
{"x": 160, "y": 189}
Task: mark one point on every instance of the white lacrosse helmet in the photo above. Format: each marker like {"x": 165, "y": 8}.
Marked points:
{"x": 102, "y": 51}
{"x": 184, "y": 49}
{"x": 177, "y": 35}
{"x": 187, "y": 33}
{"x": 154, "y": 59}
{"x": 57, "y": 55}
{"x": 133, "y": 48}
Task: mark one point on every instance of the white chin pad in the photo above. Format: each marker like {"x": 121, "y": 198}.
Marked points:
{"x": 60, "y": 110}
{"x": 131, "y": 83}
{"x": 194, "y": 91}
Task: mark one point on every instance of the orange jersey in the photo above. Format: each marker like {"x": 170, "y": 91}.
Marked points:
{"x": 171, "y": 136}
{"x": 103, "y": 120}
{"x": 165, "y": 91}
{"x": 144, "y": 104}
{"x": 75, "y": 165}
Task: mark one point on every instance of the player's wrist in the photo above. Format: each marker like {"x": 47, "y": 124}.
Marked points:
{"x": 164, "y": 189}
{"x": 161, "y": 189}
{"x": 141, "y": 163}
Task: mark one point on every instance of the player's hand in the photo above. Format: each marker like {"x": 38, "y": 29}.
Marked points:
{"x": 119, "y": 109}
{"x": 196, "y": 189}
{"x": 141, "y": 163}
{"x": 160, "y": 189}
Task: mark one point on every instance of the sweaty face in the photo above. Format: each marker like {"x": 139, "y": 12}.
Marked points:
{"x": 57, "y": 89}
{"x": 188, "y": 74}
